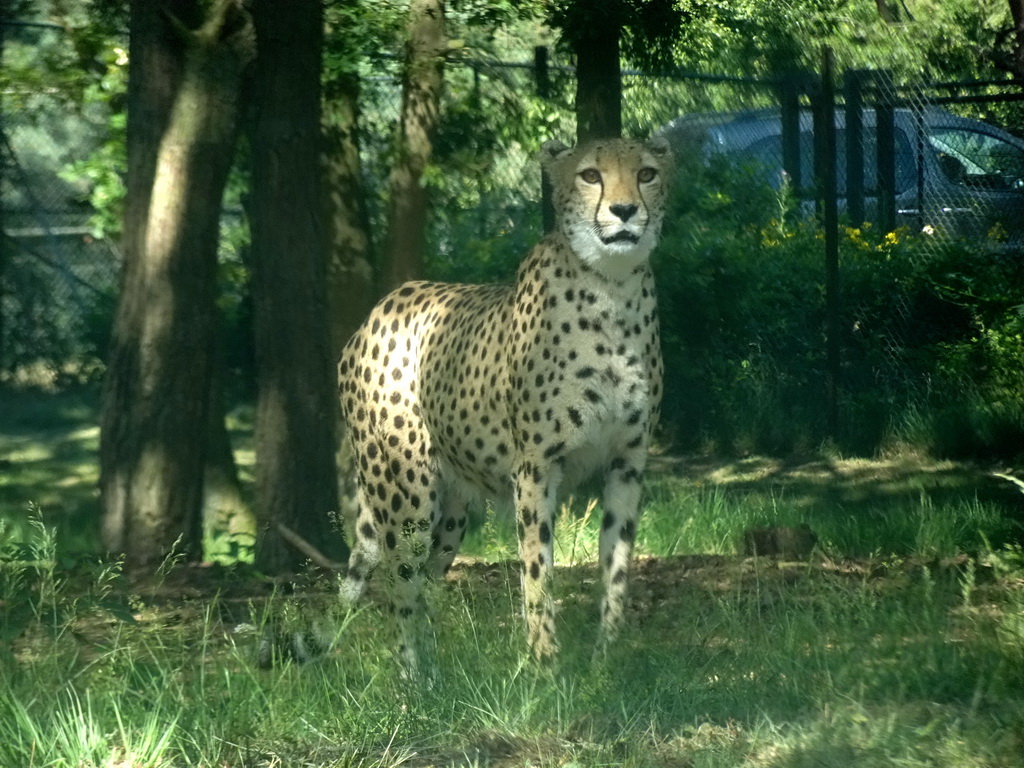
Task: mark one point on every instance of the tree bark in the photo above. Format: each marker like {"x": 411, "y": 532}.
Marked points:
{"x": 351, "y": 292}
{"x": 1017, "y": 56}
{"x": 421, "y": 99}
{"x": 182, "y": 107}
{"x": 598, "y": 80}
{"x": 296, "y": 409}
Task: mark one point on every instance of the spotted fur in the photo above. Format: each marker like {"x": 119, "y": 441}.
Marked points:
{"x": 456, "y": 394}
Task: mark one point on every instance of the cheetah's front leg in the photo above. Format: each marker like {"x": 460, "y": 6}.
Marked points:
{"x": 618, "y": 532}
{"x": 535, "y": 496}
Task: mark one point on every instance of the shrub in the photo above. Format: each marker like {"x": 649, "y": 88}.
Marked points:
{"x": 931, "y": 332}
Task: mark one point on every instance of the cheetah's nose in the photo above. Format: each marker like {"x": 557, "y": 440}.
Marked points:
{"x": 624, "y": 212}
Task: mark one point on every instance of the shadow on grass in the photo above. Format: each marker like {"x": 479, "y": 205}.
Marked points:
{"x": 48, "y": 466}
{"x": 820, "y": 481}
{"x": 48, "y": 458}
{"x": 854, "y": 492}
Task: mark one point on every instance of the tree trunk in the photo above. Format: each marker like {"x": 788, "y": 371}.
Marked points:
{"x": 350, "y": 281}
{"x": 421, "y": 99}
{"x": 296, "y": 409}
{"x": 351, "y": 291}
{"x": 1017, "y": 57}
{"x": 182, "y": 108}
{"x": 598, "y": 80}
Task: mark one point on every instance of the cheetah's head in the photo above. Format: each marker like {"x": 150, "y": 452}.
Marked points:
{"x": 609, "y": 199}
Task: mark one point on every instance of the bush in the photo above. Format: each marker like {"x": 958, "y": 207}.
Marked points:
{"x": 932, "y": 333}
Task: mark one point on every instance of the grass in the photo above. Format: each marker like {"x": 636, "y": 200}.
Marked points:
{"x": 900, "y": 642}
{"x": 856, "y": 508}
{"x": 728, "y": 662}
{"x": 49, "y": 447}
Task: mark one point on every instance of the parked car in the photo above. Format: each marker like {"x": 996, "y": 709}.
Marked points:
{"x": 953, "y": 175}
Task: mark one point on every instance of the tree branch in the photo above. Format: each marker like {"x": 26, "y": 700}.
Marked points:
{"x": 315, "y": 555}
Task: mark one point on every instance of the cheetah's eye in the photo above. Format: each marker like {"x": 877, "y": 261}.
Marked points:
{"x": 590, "y": 175}
{"x": 646, "y": 175}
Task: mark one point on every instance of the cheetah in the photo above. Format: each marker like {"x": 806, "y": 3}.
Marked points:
{"x": 459, "y": 394}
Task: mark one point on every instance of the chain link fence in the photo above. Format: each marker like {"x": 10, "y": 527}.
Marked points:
{"x": 485, "y": 175}
{"x": 57, "y": 280}
{"x": 920, "y": 171}
{"x": 896, "y": 317}
{"x": 944, "y": 190}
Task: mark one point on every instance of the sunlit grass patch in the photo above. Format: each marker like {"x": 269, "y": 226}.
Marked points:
{"x": 48, "y": 459}
{"x": 937, "y": 514}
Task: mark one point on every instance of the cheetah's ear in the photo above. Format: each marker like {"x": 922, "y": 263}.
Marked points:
{"x": 551, "y": 151}
{"x": 658, "y": 146}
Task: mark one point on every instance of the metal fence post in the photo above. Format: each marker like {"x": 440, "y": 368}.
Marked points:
{"x": 543, "y": 79}
{"x": 789, "y": 101}
{"x": 920, "y": 142}
{"x": 826, "y": 182}
{"x": 885, "y": 128}
{"x": 853, "y": 86}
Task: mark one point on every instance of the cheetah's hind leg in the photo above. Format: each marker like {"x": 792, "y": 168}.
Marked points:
{"x": 393, "y": 533}
{"x": 303, "y": 639}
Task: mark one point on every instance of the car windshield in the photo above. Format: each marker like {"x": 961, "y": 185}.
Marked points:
{"x": 978, "y": 159}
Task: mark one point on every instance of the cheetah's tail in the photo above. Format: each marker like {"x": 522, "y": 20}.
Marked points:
{"x": 277, "y": 646}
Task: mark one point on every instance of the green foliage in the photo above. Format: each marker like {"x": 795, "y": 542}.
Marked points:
{"x": 484, "y": 176}
{"x": 70, "y": 78}
{"x": 953, "y": 39}
{"x": 650, "y": 28}
{"x": 758, "y": 38}
{"x": 973, "y": 405}
{"x": 925, "y": 326}
{"x": 731, "y": 270}
{"x": 354, "y": 29}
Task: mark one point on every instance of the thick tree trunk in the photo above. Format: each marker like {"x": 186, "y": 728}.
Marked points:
{"x": 421, "y": 100}
{"x": 351, "y": 291}
{"x": 598, "y": 81}
{"x": 296, "y": 410}
{"x": 182, "y": 112}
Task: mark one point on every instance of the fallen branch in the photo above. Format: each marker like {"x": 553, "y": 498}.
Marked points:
{"x": 1016, "y": 481}
{"x": 315, "y": 555}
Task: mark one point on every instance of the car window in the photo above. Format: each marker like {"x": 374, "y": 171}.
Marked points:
{"x": 767, "y": 153}
{"x": 977, "y": 159}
